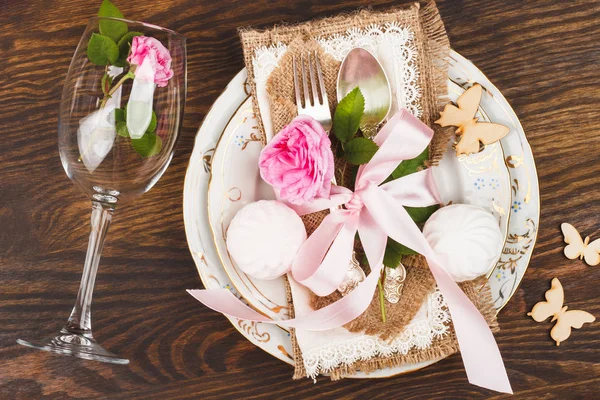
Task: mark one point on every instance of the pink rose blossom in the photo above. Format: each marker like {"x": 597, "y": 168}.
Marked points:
{"x": 298, "y": 162}
{"x": 159, "y": 57}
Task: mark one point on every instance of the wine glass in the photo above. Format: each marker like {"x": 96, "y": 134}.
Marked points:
{"x": 120, "y": 114}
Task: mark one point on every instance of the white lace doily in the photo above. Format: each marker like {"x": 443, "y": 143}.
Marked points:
{"x": 265, "y": 60}
{"x": 393, "y": 45}
{"x": 431, "y": 322}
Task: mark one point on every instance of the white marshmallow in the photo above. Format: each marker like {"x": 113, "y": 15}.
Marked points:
{"x": 467, "y": 239}
{"x": 264, "y": 237}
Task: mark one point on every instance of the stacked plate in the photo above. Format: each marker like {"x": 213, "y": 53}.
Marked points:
{"x": 223, "y": 176}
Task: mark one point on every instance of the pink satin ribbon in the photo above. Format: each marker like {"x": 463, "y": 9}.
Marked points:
{"x": 377, "y": 212}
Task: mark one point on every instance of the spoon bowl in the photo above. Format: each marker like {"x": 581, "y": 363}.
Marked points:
{"x": 361, "y": 69}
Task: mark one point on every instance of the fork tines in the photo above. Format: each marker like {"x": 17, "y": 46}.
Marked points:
{"x": 317, "y": 96}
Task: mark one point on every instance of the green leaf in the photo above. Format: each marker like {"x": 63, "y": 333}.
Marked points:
{"x": 124, "y": 47}
{"x": 360, "y": 150}
{"x": 110, "y": 28}
{"x": 116, "y": 115}
{"x": 119, "y": 114}
{"x": 348, "y": 114}
{"x": 148, "y": 145}
{"x": 394, "y": 252}
{"x": 421, "y": 214}
{"x": 122, "y": 129}
{"x": 408, "y": 167}
{"x": 152, "y": 127}
{"x": 102, "y": 50}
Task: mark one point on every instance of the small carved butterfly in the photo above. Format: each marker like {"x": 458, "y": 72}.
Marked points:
{"x": 577, "y": 247}
{"x": 471, "y": 131}
{"x": 565, "y": 320}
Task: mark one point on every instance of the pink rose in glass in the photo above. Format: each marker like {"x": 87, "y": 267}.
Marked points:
{"x": 159, "y": 58}
{"x": 298, "y": 162}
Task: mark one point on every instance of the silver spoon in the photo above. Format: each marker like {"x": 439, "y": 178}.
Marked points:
{"x": 360, "y": 68}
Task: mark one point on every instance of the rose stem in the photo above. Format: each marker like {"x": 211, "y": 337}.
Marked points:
{"x": 381, "y": 297}
{"x": 128, "y": 75}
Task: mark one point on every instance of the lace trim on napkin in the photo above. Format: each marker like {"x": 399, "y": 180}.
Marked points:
{"x": 392, "y": 44}
{"x": 419, "y": 334}
{"x": 265, "y": 60}
{"x": 393, "y": 39}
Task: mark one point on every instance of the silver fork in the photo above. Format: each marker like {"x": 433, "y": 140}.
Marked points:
{"x": 316, "y": 106}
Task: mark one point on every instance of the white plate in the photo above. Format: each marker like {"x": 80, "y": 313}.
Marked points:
{"x": 230, "y": 121}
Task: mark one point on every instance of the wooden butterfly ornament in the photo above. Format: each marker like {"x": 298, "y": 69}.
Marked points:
{"x": 471, "y": 131}
{"x": 577, "y": 247}
{"x": 565, "y": 320}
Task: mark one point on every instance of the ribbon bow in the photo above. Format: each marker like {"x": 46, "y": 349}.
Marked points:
{"x": 376, "y": 211}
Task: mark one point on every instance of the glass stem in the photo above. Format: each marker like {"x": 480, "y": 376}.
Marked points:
{"x": 80, "y": 321}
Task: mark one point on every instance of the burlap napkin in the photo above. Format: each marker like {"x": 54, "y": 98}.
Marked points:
{"x": 432, "y": 47}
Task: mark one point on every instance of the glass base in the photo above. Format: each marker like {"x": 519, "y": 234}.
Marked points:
{"x": 76, "y": 345}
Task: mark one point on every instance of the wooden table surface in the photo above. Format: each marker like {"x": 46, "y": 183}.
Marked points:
{"x": 543, "y": 55}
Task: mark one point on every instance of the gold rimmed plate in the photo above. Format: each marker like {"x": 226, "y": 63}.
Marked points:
{"x": 222, "y": 126}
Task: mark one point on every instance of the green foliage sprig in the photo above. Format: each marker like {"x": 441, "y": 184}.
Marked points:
{"x": 111, "y": 46}
{"x": 346, "y": 121}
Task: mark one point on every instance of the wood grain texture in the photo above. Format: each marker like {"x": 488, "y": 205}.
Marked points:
{"x": 543, "y": 55}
